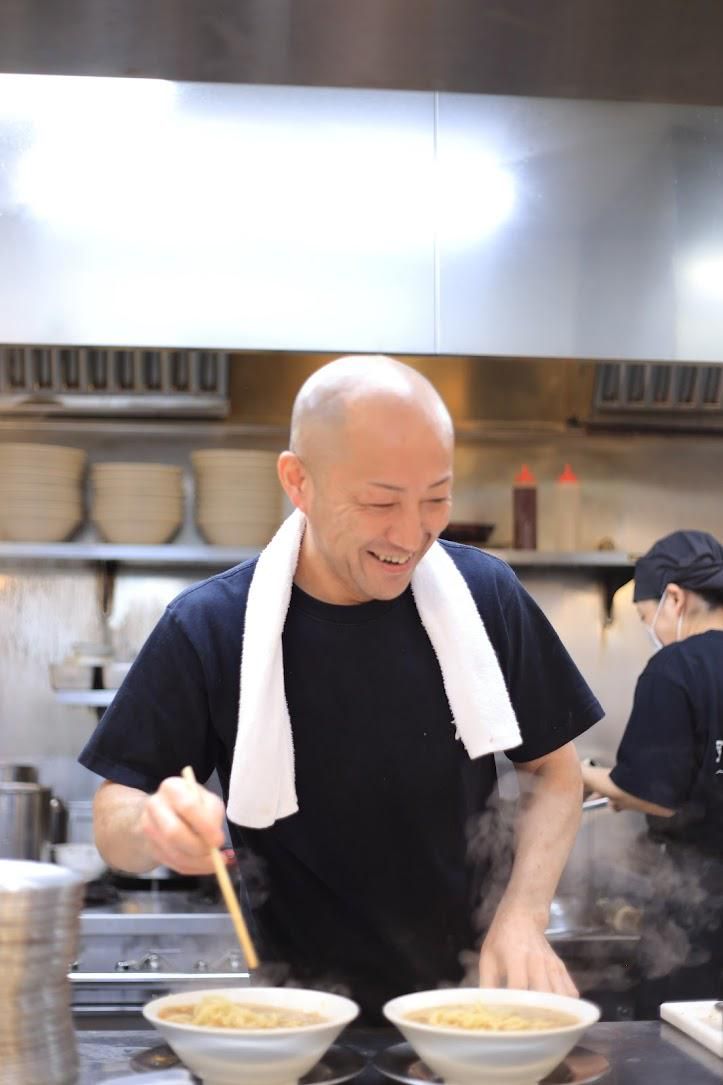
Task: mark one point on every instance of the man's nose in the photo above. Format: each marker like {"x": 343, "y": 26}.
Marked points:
{"x": 407, "y": 530}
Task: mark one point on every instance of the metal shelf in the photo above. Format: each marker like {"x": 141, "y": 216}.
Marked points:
{"x": 168, "y": 554}
{"x": 613, "y": 567}
{"x": 172, "y": 429}
{"x": 86, "y": 698}
{"x": 225, "y": 556}
{"x": 555, "y": 559}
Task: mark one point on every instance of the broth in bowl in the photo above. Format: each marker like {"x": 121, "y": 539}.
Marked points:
{"x": 483, "y": 1017}
{"x": 215, "y": 1011}
{"x": 485, "y": 1036}
{"x": 247, "y": 1035}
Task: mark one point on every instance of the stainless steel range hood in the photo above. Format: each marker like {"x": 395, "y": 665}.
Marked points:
{"x": 514, "y": 397}
{"x": 657, "y": 397}
{"x": 559, "y": 48}
{"x": 178, "y": 215}
{"x": 96, "y": 381}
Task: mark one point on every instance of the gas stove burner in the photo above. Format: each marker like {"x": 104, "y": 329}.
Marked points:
{"x": 207, "y": 893}
{"x": 100, "y": 892}
{"x": 169, "y": 883}
{"x": 156, "y": 1058}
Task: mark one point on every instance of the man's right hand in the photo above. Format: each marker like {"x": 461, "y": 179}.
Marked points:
{"x": 181, "y": 824}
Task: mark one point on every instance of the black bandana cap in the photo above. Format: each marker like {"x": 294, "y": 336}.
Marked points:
{"x": 693, "y": 559}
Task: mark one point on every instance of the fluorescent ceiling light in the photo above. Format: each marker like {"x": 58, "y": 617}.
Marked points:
{"x": 705, "y": 273}
{"x": 476, "y": 195}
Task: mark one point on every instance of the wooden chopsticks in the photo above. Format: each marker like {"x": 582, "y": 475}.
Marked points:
{"x": 227, "y": 889}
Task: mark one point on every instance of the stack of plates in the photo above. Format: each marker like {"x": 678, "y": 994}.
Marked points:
{"x": 238, "y": 497}
{"x": 40, "y": 492}
{"x": 137, "y": 502}
{"x": 39, "y": 908}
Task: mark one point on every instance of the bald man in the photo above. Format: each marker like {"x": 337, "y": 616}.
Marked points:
{"x": 371, "y": 884}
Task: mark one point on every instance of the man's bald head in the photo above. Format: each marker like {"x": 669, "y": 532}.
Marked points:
{"x": 352, "y": 388}
{"x": 371, "y": 469}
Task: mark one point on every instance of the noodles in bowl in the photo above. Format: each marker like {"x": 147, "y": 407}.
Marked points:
{"x": 482, "y": 1036}
{"x": 250, "y": 1035}
{"x": 482, "y": 1017}
{"x": 218, "y": 1011}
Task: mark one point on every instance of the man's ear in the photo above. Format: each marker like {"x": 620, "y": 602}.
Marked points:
{"x": 295, "y": 480}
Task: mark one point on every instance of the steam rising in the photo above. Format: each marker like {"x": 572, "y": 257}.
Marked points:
{"x": 615, "y": 881}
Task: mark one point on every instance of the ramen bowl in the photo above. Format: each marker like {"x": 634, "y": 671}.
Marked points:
{"x": 462, "y": 1056}
{"x": 251, "y": 1056}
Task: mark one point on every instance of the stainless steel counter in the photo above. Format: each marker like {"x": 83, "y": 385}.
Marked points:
{"x": 640, "y": 1053}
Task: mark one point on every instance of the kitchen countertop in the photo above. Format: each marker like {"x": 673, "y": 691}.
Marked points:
{"x": 639, "y": 1052}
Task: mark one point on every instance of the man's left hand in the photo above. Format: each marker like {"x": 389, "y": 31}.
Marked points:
{"x": 516, "y": 953}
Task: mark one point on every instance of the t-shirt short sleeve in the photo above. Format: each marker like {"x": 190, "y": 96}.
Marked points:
{"x": 158, "y": 721}
{"x": 656, "y": 760}
{"x": 551, "y": 699}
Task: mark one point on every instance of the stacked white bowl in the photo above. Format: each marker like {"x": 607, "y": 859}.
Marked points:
{"x": 39, "y": 909}
{"x": 41, "y": 497}
{"x": 238, "y": 496}
{"x": 137, "y": 502}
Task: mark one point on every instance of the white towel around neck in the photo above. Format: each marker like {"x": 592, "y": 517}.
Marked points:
{"x": 262, "y": 787}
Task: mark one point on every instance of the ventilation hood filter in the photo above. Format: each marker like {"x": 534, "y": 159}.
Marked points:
{"x": 666, "y": 396}
{"x": 102, "y": 381}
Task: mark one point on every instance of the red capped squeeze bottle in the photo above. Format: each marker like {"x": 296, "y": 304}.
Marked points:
{"x": 567, "y": 510}
{"x": 524, "y": 510}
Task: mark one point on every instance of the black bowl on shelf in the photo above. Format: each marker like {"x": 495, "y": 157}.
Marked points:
{"x": 467, "y": 533}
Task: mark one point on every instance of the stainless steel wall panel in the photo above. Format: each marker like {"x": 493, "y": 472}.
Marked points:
{"x": 596, "y": 232}
{"x": 221, "y": 216}
{"x": 193, "y": 215}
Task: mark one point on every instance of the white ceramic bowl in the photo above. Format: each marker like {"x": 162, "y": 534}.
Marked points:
{"x": 233, "y": 534}
{"x": 38, "y": 456}
{"x": 150, "y": 530}
{"x": 114, "y": 674}
{"x": 39, "y": 527}
{"x": 162, "y": 470}
{"x": 45, "y": 489}
{"x": 268, "y": 518}
{"x": 30, "y": 505}
{"x": 135, "y": 489}
{"x": 83, "y": 859}
{"x": 71, "y": 675}
{"x": 136, "y": 507}
{"x": 491, "y": 1058}
{"x": 233, "y": 457}
{"x": 254, "y": 1056}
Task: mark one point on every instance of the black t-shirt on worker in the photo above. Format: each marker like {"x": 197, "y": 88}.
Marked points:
{"x": 369, "y": 883}
{"x": 671, "y": 752}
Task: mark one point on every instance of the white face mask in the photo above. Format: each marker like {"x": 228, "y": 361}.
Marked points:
{"x": 650, "y": 628}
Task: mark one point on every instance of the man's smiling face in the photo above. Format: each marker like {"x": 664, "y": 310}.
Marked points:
{"x": 377, "y": 502}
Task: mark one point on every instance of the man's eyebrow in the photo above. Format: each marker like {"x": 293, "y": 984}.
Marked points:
{"x": 400, "y": 489}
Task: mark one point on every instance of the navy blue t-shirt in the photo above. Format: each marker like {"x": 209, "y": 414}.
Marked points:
{"x": 672, "y": 749}
{"x": 369, "y": 884}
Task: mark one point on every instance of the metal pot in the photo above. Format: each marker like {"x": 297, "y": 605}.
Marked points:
{"x": 17, "y": 774}
{"x": 24, "y": 820}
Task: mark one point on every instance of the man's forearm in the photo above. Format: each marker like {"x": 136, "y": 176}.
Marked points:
{"x": 515, "y": 952}
{"x": 547, "y": 823}
{"x": 117, "y": 813}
